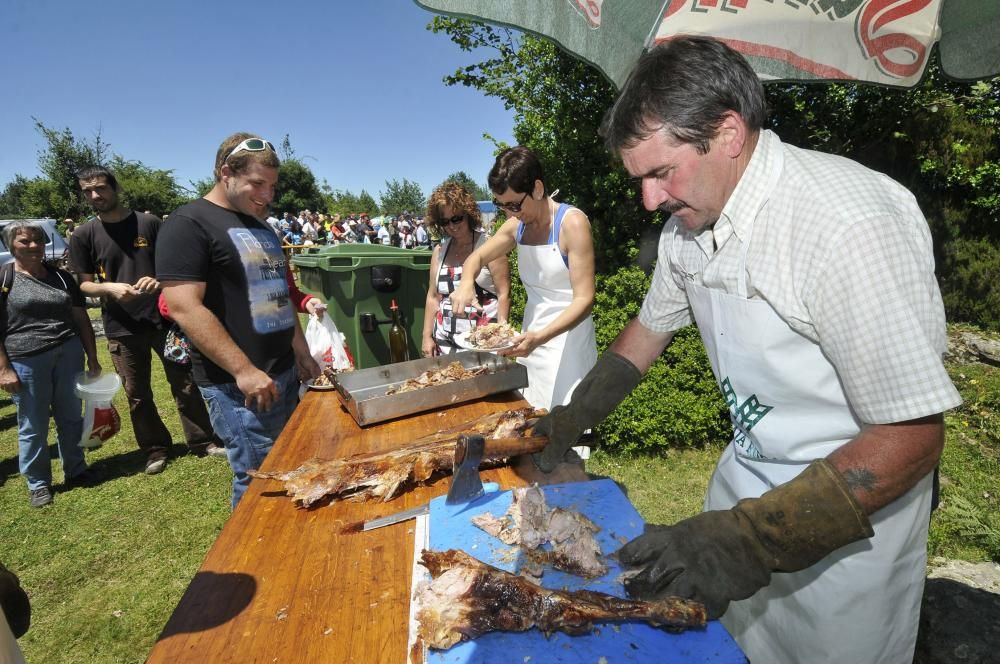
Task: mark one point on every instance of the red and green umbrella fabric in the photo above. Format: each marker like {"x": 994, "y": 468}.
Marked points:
{"x": 887, "y": 42}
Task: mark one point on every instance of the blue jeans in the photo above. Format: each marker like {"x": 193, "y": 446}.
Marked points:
{"x": 248, "y": 434}
{"x": 47, "y": 381}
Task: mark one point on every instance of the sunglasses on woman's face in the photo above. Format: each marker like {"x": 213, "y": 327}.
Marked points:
{"x": 457, "y": 219}
{"x": 511, "y": 207}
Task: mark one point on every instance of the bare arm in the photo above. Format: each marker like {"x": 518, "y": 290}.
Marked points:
{"x": 117, "y": 291}
{"x": 499, "y": 245}
{"x": 427, "y": 344}
{"x": 885, "y": 461}
{"x": 9, "y": 381}
{"x": 640, "y": 345}
{"x": 186, "y": 302}
{"x": 86, "y": 331}
{"x": 500, "y": 271}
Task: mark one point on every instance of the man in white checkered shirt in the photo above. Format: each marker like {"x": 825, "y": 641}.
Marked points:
{"x": 811, "y": 280}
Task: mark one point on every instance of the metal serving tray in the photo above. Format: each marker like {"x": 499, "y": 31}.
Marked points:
{"x": 363, "y": 392}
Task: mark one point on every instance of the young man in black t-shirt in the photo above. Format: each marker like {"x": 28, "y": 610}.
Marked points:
{"x": 224, "y": 280}
{"x": 113, "y": 258}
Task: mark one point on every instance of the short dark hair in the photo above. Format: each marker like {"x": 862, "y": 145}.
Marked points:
{"x": 685, "y": 86}
{"x": 516, "y": 169}
{"x": 95, "y": 171}
{"x": 240, "y": 161}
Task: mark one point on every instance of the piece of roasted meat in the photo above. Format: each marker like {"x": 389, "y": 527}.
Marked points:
{"x": 492, "y": 335}
{"x": 449, "y": 374}
{"x": 468, "y": 598}
{"x": 383, "y": 475}
{"x": 530, "y": 523}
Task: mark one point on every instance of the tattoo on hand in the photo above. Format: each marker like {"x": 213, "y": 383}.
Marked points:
{"x": 860, "y": 478}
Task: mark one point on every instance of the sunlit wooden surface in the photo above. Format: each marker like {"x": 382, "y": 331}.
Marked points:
{"x": 285, "y": 584}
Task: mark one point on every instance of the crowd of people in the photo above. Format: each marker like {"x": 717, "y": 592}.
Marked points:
{"x": 810, "y": 278}
{"x": 315, "y": 228}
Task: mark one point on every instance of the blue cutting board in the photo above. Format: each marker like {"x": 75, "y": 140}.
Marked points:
{"x": 604, "y": 504}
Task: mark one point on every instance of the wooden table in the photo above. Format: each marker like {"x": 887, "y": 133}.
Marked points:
{"x": 284, "y": 584}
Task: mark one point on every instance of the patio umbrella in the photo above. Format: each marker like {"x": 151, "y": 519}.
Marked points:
{"x": 887, "y": 42}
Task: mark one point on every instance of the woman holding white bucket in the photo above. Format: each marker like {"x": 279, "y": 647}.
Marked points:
{"x": 45, "y": 333}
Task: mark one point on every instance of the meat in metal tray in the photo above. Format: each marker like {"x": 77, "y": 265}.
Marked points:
{"x": 364, "y": 392}
{"x": 607, "y": 506}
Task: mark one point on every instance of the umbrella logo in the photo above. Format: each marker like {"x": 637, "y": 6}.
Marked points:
{"x": 591, "y": 10}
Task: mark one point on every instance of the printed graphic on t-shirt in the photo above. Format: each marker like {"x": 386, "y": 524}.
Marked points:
{"x": 267, "y": 291}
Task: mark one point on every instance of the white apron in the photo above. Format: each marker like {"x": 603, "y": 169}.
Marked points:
{"x": 557, "y": 366}
{"x": 861, "y": 603}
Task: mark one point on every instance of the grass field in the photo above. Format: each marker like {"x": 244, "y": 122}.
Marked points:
{"x": 106, "y": 565}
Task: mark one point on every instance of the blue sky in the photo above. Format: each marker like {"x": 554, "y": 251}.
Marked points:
{"x": 357, "y": 86}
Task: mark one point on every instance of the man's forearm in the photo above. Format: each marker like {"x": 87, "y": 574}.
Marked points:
{"x": 639, "y": 345}
{"x": 885, "y": 461}
{"x": 206, "y": 332}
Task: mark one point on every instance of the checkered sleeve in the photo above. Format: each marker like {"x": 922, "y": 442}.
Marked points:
{"x": 879, "y": 317}
{"x": 665, "y": 307}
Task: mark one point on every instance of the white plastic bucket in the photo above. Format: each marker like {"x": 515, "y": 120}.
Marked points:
{"x": 101, "y": 389}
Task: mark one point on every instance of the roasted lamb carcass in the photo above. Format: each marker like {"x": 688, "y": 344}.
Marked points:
{"x": 383, "y": 475}
{"x": 468, "y": 598}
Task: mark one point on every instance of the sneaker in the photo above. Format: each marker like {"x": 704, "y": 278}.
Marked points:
{"x": 155, "y": 464}
{"x": 215, "y": 450}
{"x": 40, "y": 497}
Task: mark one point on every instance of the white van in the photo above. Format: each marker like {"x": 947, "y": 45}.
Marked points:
{"x": 56, "y": 248}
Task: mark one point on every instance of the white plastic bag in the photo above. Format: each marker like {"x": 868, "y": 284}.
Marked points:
{"x": 327, "y": 345}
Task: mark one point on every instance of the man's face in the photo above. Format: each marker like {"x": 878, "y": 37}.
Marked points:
{"x": 251, "y": 191}
{"x": 98, "y": 192}
{"x": 676, "y": 179}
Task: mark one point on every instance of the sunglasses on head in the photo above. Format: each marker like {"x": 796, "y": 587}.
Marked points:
{"x": 457, "y": 219}
{"x": 252, "y": 145}
{"x": 511, "y": 207}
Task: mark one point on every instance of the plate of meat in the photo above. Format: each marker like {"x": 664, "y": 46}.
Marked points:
{"x": 325, "y": 382}
{"x": 491, "y": 337}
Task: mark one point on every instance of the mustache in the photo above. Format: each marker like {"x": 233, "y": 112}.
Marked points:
{"x": 673, "y": 207}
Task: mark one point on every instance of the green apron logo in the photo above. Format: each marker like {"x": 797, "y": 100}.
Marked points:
{"x": 744, "y": 416}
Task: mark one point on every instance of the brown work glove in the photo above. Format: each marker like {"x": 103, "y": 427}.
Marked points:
{"x": 601, "y": 390}
{"x": 727, "y": 555}
{"x": 14, "y": 602}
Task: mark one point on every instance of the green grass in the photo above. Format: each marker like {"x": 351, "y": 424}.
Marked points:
{"x": 105, "y": 566}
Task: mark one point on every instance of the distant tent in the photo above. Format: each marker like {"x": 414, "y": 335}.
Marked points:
{"x": 489, "y": 213}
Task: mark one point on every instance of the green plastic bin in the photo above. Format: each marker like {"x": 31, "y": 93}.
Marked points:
{"x": 358, "y": 282}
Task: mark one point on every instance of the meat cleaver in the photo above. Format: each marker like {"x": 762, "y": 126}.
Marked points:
{"x": 466, "y": 484}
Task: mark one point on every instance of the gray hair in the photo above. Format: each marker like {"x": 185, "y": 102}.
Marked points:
{"x": 685, "y": 87}
{"x": 11, "y": 230}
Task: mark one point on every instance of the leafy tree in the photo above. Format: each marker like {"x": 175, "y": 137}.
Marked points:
{"x": 366, "y": 203}
{"x": 144, "y": 188}
{"x": 201, "y": 187}
{"x": 297, "y": 189}
{"x": 558, "y": 104}
{"x": 401, "y": 196}
{"x": 478, "y": 191}
{"x": 61, "y": 159}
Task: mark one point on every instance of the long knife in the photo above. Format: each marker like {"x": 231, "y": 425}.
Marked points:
{"x": 413, "y": 512}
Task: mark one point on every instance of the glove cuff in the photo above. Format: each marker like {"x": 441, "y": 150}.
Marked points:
{"x": 802, "y": 521}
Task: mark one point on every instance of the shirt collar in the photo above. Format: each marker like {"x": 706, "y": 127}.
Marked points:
{"x": 756, "y": 184}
